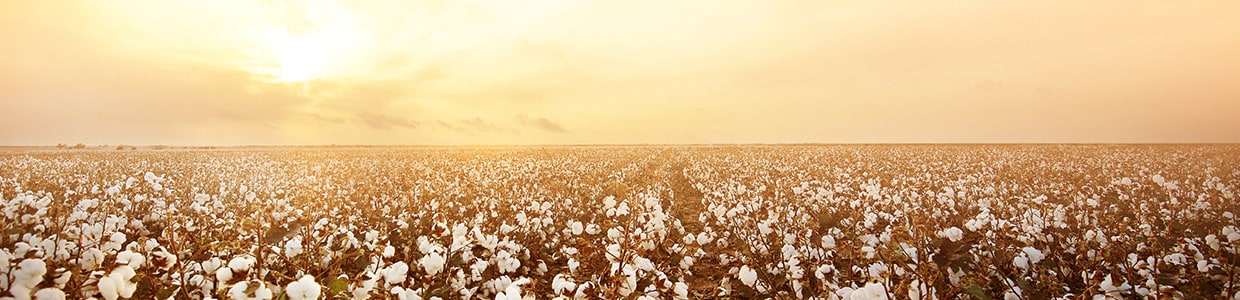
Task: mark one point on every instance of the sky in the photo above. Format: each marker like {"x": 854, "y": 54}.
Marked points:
{"x": 230, "y": 72}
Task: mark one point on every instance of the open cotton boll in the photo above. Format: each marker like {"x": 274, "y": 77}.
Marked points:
{"x": 250, "y": 290}
{"x": 133, "y": 259}
{"x": 871, "y": 291}
{"x": 576, "y": 227}
{"x": 747, "y": 275}
{"x": 118, "y": 284}
{"x": 242, "y": 263}
{"x": 954, "y": 234}
{"x": 562, "y": 284}
{"x": 303, "y": 289}
{"x": 50, "y": 294}
{"x": 293, "y": 247}
{"x": 1035, "y": 255}
{"x": 27, "y": 276}
{"x": 513, "y": 290}
{"x": 406, "y": 294}
{"x": 432, "y": 263}
{"x": 395, "y": 273}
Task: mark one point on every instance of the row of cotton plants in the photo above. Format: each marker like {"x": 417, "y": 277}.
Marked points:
{"x": 825, "y": 222}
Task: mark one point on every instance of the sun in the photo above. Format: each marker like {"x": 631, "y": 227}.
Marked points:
{"x": 323, "y": 48}
{"x": 298, "y": 58}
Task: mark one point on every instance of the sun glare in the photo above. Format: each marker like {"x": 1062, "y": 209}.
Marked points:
{"x": 299, "y": 58}
{"x": 319, "y": 50}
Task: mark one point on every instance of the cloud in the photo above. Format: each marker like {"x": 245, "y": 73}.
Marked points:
{"x": 540, "y": 123}
{"x": 478, "y": 124}
{"x": 386, "y": 122}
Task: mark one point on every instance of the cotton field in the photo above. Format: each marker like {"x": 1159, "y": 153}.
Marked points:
{"x": 613, "y": 222}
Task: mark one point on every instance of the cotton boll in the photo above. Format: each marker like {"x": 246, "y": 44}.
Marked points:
{"x": 1021, "y": 262}
{"x": 395, "y": 273}
{"x": 28, "y": 274}
{"x": 389, "y": 251}
{"x": 954, "y": 234}
{"x": 50, "y": 294}
{"x": 133, "y": 259}
{"x": 118, "y": 284}
{"x": 212, "y": 264}
{"x": 576, "y": 227}
{"x": 433, "y": 263}
{"x": 681, "y": 290}
{"x": 871, "y": 291}
{"x": 562, "y": 284}
{"x": 303, "y": 289}
{"x": 242, "y": 291}
{"x": 293, "y": 247}
{"x": 1035, "y": 255}
{"x": 748, "y": 276}
{"x": 91, "y": 259}
{"x": 242, "y": 263}
{"x": 513, "y": 290}
{"x": 505, "y": 262}
{"x": 408, "y": 294}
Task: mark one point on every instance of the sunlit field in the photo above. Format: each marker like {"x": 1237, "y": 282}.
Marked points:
{"x": 616, "y": 222}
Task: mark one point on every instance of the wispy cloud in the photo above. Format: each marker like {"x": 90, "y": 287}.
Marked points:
{"x": 540, "y": 123}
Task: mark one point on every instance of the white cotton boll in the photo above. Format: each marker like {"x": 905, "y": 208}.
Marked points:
{"x": 117, "y": 283}
{"x": 1203, "y": 266}
{"x": 828, "y": 242}
{"x": 593, "y": 229}
{"x": 303, "y": 289}
{"x": 242, "y": 263}
{"x": 609, "y": 202}
{"x": 389, "y": 251}
{"x": 562, "y": 284}
{"x": 1108, "y": 286}
{"x": 764, "y": 228}
{"x": 954, "y": 234}
{"x": 513, "y": 290}
{"x": 703, "y": 239}
{"x": 91, "y": 259}
{"x": 408, "y": 294}
{"x": 395, "y": 273}
{"x": 576, "y": 227}
{"x": 748, "y": 276}
{"x": 293, "y": 247}
{"x": 686, "y": 262}
{"x": 223, "y": 275}
{"x": 28, "y": 274}
{"x": 1035, "y": 255}
{"x": 50, "y": 294}
{"x": 643, "y": 264}
{"x": 918, "y": 289}
{"x": 614, "y": 234}
{"x": 432, "y": 263}
{"x": 573, "y": 264}
{"x": 505, "y": 263}
{"x": 1213, "y": 242}
{"x": 871, "y": 291}
{"x": 1021, "y": 262}
{"x": 134, "y": 260}
{"x": 239, "y": 291}
{"x": 163, "y": 259}
{"x": 681, "y": 290}
{"x": 371, "y": 236}
{"x": 1178, "y": 259}
{"x": 210, "y": 265}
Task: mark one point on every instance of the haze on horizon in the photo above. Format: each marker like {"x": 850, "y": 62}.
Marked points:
{"x": 613, "y": 72}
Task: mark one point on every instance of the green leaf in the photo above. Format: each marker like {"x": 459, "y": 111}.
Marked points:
{"x": 977, "y": 292}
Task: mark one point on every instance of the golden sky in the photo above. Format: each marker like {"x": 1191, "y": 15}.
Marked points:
{"x": 229, "y": 72}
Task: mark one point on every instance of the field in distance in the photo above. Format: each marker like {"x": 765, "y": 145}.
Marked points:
{"x": 610, "y": 222}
